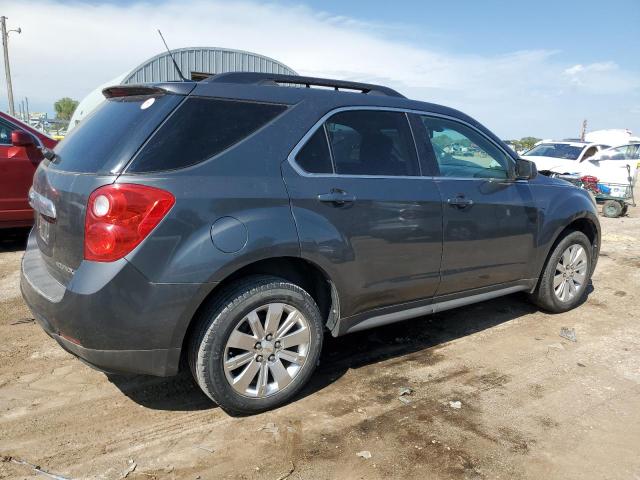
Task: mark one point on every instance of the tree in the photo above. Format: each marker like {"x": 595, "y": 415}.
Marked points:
{"x": 65, "y": 107}
{"x": 528, "y": 142}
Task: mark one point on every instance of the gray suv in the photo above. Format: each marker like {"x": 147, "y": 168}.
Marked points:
{"x": 226, "y": 225}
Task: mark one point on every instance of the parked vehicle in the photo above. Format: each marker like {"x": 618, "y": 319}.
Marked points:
{"x": 20, "y": 154}
{"x": 228, "y": 224}
{"x": 564, "y": 157}
{"x": 615, "y": 165}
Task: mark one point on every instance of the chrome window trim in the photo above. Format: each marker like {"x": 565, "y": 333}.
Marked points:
{"x": 291, "y": 158}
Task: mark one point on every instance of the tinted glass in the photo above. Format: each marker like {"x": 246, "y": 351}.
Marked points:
{"x": 626, "y": 152}
{"x": 369, "y": 142}
{"x": 106, "y": 140}
{"x": 5, "y": 132}
{"x": 314, "y": 157}
{"x": 462, "y": 152}
{"x": 201, "y": 128}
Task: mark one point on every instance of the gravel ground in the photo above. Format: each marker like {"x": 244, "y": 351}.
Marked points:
{"x": 496, "y": 392}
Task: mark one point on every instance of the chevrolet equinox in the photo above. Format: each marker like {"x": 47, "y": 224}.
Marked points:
{"x": 227, "y": 224}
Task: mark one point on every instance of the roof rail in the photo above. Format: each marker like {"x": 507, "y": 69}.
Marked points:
{"x": 255, "y": 78}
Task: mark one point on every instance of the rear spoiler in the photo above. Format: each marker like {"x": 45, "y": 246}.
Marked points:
{"x": 179, "y": 88}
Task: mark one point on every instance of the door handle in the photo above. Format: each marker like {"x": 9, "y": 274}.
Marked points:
{"x": 337, "y": 197}
{"x": 460, "y": 202}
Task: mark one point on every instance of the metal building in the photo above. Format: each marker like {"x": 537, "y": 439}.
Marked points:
{"x": 195, "y": 63}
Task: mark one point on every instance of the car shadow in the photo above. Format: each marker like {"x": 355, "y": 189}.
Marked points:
{"x": 13, "y": 239}
{"x": 341, "y": 354}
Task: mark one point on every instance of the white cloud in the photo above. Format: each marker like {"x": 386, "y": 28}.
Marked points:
{"x": 69, "y": 49}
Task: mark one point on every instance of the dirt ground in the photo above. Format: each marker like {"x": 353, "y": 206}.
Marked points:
{"x": 532, "y": 404}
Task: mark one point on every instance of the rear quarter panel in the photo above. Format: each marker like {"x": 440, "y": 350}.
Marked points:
{"x": 243, "y": 183}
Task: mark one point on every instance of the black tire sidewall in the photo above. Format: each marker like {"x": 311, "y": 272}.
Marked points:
{"x": 209, "y": 364}
{"x": 617, "y": 208}
{"x": 546, "y": 294}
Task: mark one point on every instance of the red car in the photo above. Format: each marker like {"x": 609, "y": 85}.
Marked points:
{"x": 20, "y": 154}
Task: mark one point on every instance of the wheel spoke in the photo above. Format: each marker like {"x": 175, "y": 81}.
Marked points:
{"x": 280, "y": 374}
{"x": 242, "y": 381}
{"x": 566, "y": 258}
{"x": 237, "y": 361}
{"x": 557, "y": 280}
{"x": 288, "y": 323}
{"x": 274, "y": 314}
{"x": 296, "y": 338}
{"x": 263, "y": 378}
{"x": 241, "y": 340}
{"x": 572, "y": 288}
{"x": 255, "y": 324}
{"x": 561, "y": 268}
{"x": 579, "y": 278}
{"x": 292, "y": 357}
{"x": 560, "y": 289}
{"x": 581, "y": 258}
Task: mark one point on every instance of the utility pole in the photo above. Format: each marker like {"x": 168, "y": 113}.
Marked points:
{"x": 7, "y": 68}
{"x": 583, "y": 132}
{"x": 26, "y": 103}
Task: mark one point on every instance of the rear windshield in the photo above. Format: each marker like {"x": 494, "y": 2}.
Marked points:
{"x": 199, "y": 129}
{"x": 105, "y": 141}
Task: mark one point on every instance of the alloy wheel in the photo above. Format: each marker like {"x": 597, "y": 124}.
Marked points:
{"x": 266, "y": 350}
{"x": 571, "y": 273}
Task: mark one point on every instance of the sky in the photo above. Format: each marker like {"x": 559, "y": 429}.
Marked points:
{"x": 521, "y": 68}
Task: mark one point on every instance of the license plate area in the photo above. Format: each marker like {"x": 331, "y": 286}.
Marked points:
{"x": 44, "y": 229}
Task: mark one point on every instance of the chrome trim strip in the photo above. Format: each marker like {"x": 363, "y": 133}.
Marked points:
{"x": 406, "y": 111}
{"x": 42, "y": 204}
{"x": 387, "y": 318}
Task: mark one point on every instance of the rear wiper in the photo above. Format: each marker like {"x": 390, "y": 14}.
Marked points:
{"x": 49, "y": 154}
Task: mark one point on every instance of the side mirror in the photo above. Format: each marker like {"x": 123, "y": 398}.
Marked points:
{"x": 525, "y": 169}
{"x": 21, "y": 138}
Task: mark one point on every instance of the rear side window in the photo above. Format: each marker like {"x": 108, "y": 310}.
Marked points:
{"x": 371, "y": 142}
{"x": 106, "y": 140}
{"x": 314, "y": 157}
{"x": 201, "y": 128}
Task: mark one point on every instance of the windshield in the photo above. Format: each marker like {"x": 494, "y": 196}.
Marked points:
{"x": 105, "y": 141}
{"x": 556, "y": 150}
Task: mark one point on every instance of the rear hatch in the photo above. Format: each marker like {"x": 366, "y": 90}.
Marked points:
{"x": 92, "y": 155}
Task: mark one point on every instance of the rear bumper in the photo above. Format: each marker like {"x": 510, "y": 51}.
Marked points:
{"x": 110, "y": 315}
{"x": 159, "y": 362}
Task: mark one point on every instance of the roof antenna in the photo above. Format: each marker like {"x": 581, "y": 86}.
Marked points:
{"x": 172, "y": 59}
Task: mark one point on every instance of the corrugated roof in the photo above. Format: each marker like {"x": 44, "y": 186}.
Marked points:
{"x": 203, "y": 60}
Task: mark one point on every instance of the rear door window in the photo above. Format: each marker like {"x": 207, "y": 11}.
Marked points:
{"x": 372, "y": 142}
{"x": 105, "y": 141}
{"x": 314, "y": 157}
{"x": 201, "y": 128}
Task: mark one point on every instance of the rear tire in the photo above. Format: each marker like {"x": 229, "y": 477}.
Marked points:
{"x": 256, "y": 345}
{"x": 566, "y": 275}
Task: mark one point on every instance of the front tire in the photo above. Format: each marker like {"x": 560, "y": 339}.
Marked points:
{"x": 257, "y": 344}
{"x": 566, "y": 276}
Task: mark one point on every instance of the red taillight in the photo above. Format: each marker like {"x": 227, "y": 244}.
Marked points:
{"x": 120, "y": 216}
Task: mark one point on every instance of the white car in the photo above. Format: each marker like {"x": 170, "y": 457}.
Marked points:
{"x": 614, "y": 165}
{"x": 562, "y": 157}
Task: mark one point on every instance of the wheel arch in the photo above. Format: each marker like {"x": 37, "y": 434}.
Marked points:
{"x": 584, "y": 224}
{"x": 296, "y": 270}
